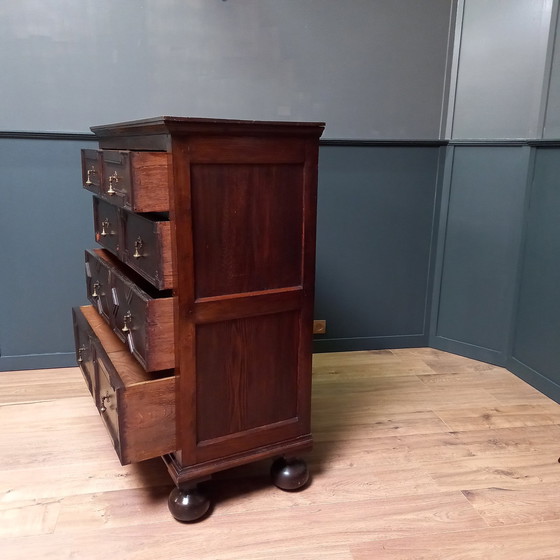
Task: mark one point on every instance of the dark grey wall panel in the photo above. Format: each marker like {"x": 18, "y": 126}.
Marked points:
{"x": 45, "y": 224}
{"x": 536, "y": 345}
{"x": 369, "y": 68}
{"x": 375, "y": 228}
{"x": 376, "y": 212}
{"x": 479, "y": 250}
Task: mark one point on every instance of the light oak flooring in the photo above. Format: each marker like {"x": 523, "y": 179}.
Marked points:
{"x": 419, "y": 455}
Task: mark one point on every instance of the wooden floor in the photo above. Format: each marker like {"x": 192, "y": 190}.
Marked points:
{"x": 419, "y": 455}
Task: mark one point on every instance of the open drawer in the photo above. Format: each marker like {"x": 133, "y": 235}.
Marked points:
{"x": 137, "y": 181}
{"x": 138, "y": 408}
{"x": 139, "y": 315}
{"x": 142, "y": 241}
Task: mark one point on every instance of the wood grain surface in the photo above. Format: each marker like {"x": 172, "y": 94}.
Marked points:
{"x": 419, "y": 455}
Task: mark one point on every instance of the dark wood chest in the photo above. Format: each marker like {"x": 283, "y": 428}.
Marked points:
{"x": 197, "y": 343}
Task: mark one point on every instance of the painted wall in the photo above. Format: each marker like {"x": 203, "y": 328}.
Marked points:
{"x": 496, "y": 295}
{"x": 481, "y": 224}
{"x": 552, "y": 108}
{"x": 373, "y": 71}
{"x": 369, "y": 68}
{"x": 375, "y": 239}
{"x": 45, "y": 224}
{"x": 374, "y": 247}
{"x": 501, "y": 57}
{"x": 535, "y": 353}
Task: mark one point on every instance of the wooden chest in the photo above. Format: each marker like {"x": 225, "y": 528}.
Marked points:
{"x": 197, "y": 345}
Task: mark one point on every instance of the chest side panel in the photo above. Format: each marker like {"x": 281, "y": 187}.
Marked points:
{"x": 246, "y": 308}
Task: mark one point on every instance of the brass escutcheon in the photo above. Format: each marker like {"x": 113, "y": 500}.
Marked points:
{"x": 96, "y": 285}
{"x": 126, "y": 320}
{"x": 113, "y": 178}
{"x": 90, "y": 172}
{"x": 81, "y": 350}
{"x": 138, "y": 244}
{"x": 103, "y": 408}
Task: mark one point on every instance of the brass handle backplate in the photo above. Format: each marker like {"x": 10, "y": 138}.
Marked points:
{"x": 126, "y": 320}
{"x": 138, "y": 244}
{"x": 105, "y": 224}
{"x": 114, "y": 178}
{"x": 96, "y": 286}
{"x": 103, "y": 408}
{"x": 90, "y": 172}
{"x": 81, "y": 351}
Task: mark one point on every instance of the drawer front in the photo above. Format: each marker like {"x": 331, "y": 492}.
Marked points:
{"x": 98, "y": 285}
{"x": 141, "y": 321}
{"x": 141, "y": 242}
{"x": 107, "y": 400}
{"x": 146, "y": 248}
{"x": 91, "y": 170}
{"x": 145, "y": 325}
{"x": 84, "y": 352}
{"x": 117, "y": 179}
{"x": 130, "y": 316}
{"x": 107, "y": 225}
{"x": 138, "y": 408}
{"x": 137, "y": 181}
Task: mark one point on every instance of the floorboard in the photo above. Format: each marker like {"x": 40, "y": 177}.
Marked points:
{"x": 419, "y": 455}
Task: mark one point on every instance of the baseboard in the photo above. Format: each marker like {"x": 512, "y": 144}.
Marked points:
{"x": 38, "y": 361}
{"x": 472, "y": 351}
{"x": 369, "y": 343}
{"x": 534, "y": 378}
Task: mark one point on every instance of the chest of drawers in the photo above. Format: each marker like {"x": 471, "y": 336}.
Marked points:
{"x": 197, "y": 343}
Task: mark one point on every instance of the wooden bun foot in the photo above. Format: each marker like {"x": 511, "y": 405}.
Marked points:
{"x": 289, "y": 474}
{"x": 187, "y": 504}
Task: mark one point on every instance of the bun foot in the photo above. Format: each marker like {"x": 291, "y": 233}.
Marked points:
{"x": 289, "y": 474}
{"x": 188, "y": 504}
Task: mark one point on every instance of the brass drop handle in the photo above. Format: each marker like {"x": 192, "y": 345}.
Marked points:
{"x": 96, "y": 285}
{"x": 113, "y": 178}
{"x": 103, "y": 408}
{"x": 90, "y": 172}
{"x": 138, "y": 244}
{"x": 126, "y": 320}
{"x": 105, "y": 226}
{"x": 81, "y": 350}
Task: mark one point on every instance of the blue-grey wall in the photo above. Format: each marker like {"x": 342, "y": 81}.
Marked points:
{"x": 372, "y": 69}
{"x": 368, "y": 68}
{"x": 535, "y": 353}
{"x": 376, "y": 219}
{"x": 418, "y": 243}
{"x": 496, "y": 289}
{"x": 481, "y": 224}
{"x": 501, "y": 68}
{"x": 551, "y": 117}
{"x": 375, "y": 236}
{"x": 45, "y": 223}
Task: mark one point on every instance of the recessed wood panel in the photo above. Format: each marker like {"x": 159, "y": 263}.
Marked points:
{"x": 247, "y": 227}
{"x": 146, "y": 248}
{"x": 246, "y": 374}
{"x": 107, "y": 226}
